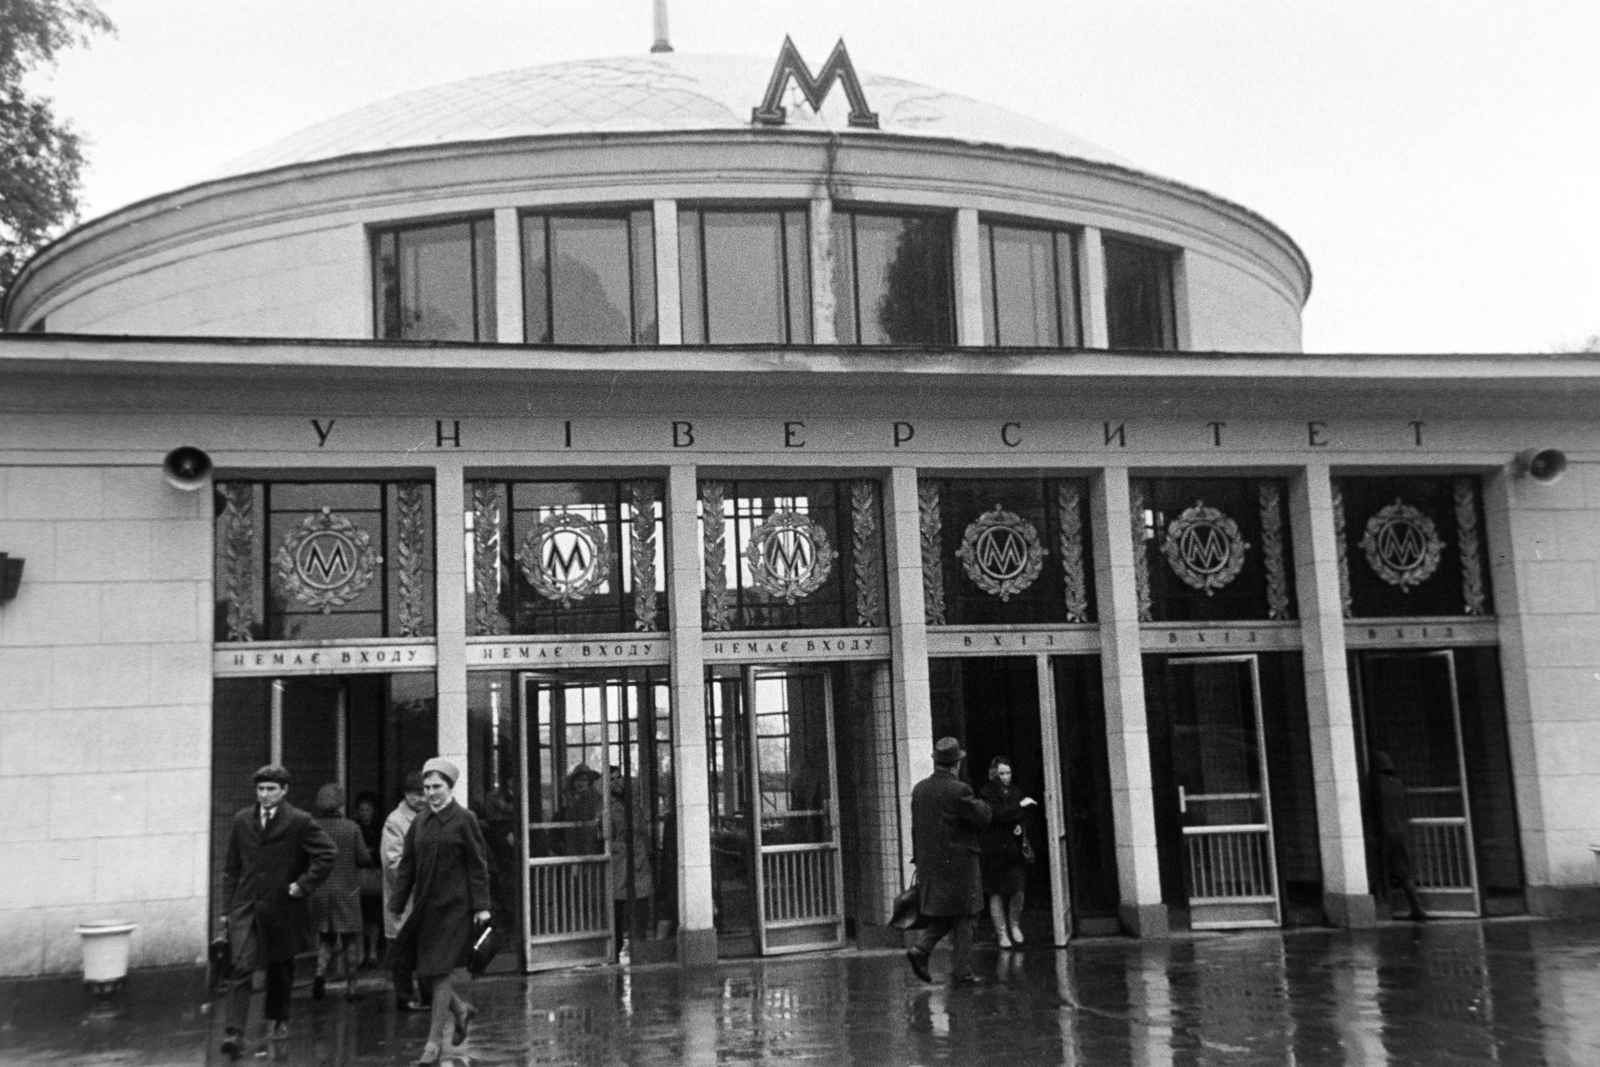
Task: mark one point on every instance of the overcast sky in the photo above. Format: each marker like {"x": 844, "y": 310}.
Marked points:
{"x": 1435, "y": 160}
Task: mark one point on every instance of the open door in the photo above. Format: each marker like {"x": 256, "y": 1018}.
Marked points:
{"x": 1412, "y": 711}
{"x": 567, "y": 894}
{"x": 1224, "y": 804}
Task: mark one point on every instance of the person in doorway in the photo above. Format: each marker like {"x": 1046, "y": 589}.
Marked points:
{"x": 371, "y": 878}
{"x": 445, "y": 864}
{"x": 581, "y": 806}
{"x": 945, "y": 823}
{"x": 407, "y": 996}
{"x": 336, "y": 905}
{"x": 1005, "y": 851}
{"x": 632, "y": 874}
{"x": 277, "y": 856}
{"x": 1394, "y": 824}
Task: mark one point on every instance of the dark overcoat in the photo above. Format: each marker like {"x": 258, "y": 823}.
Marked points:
{"x": 256, "y": 875}
{"x": 1002, "y": 838}
{"x": 945, "y": 822}
{"x": 444, "y": 872}
{"x": 336, "y": 906}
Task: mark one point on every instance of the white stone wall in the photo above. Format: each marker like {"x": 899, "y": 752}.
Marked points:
{"x": 1555, "y": 730}
{"x": 105, "y": 714}
{"x": 1233, "y": 310}
{"x": 268, "y": 284}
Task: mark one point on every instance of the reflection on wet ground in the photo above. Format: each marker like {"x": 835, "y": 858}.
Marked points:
{"x": 1506, "y": 992}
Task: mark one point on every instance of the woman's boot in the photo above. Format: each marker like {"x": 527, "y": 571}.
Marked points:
{"x": 997, "y": 916}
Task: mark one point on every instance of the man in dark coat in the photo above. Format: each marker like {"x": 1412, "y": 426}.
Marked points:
{"x": 945, "y": 821}
{"x": 277, "y": 855}
{"x": 1395, "y": 827}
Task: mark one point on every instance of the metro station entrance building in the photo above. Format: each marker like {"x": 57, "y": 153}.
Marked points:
{"x": 683, "y": 477}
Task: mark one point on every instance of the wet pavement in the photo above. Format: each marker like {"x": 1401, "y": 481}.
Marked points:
{"x": 1460, "y": 993}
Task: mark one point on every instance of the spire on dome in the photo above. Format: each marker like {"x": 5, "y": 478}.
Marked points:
{"x": 661, "y": 43}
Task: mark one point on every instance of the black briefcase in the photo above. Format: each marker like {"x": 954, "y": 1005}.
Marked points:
{"x": 220, "y": 957}
{"x": 484, "y": 949}
{"x": 907, "y": 912}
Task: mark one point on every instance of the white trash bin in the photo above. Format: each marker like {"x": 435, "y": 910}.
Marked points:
{"x": 105, "y": 954}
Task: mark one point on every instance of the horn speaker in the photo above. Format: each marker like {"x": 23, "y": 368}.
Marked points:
{"x": 186, "y": 467}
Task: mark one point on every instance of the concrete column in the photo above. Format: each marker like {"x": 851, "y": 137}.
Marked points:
{"x": 669, "y": 300}
{"x": 1092, "y": 271}
{"x": 908, "y": 644}
{"x": 1183, "y": 335}
{"x": 450, "y": 612}
{"x": 507, "y": 276}
{"x": 969, "y": 280}
{"x": 1127, "y": 733}
{"x": 1507, "y": 520}
{"x": 1054, "y": 802}
{"x": 1334, "y": 763}
{"x": 361, "y": 313}
{"x": 823, "y": 299}
{"x": 697, "y": 935}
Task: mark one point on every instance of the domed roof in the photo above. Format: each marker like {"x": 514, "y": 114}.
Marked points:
{"x": 654, "y": 93}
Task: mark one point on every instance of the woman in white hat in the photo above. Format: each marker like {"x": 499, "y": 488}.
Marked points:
{"x": 444, "y": 871}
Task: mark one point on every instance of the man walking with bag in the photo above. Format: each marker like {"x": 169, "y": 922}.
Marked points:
{"x": 277, "y": 855}
{"x": 945, "y": 821}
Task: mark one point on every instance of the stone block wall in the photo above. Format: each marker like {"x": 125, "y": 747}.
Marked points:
{"x": 105, "y": 714}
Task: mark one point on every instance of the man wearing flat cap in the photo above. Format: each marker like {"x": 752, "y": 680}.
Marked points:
{"x": 277, "y": 855}
{"x": 945, "y": 820}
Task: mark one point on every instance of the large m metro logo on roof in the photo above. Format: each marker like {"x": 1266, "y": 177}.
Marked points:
{"x": 815, "y": 90}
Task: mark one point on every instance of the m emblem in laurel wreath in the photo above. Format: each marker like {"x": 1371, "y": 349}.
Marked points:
{"x": 326, "y": 562}
{"x": 1402, "y": 545}
{"x": 565, "y": 557}
{"x": 1001, "y": 552}
{"x": 1204, "y": 548}
{"x": 789, "y": 556}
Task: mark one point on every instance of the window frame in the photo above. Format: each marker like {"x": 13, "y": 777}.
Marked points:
{"x": 482, "y": 332}
{"x": 1167, "y": 295}
{"x": 1073, "y": 283}
{"x": 620, "y": 212}
{"x": 700, "y": 299}
{"x": 946, "y": 217}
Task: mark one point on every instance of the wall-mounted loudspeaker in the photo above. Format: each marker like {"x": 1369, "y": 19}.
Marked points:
{"x": 186, "y": 467}
{"x": 1545, "y": 465}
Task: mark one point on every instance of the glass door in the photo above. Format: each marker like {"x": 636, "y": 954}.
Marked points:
{"x": 1412, "y": 714}
{"x": 777, "y": 882}
{"x": 1224, "y": 806}
{"x": 567, "y": 893}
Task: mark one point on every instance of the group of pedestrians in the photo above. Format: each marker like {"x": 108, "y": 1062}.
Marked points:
{"x": 288, "y": 875}
{"x": 967, "y": 847}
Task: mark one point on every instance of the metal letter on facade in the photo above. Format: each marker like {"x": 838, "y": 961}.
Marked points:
{"x": 1069, "y": 539}
{"x": 1272, "y": 552}
{"x": 716, "y": 609}
{"x": 1341, "y": 549}
{"x": 1402, "y": 546}
{"x": 326, "y": 562}
{"x": 1141, "y": 555}
{"x": 488, "y": 532}
{"x": 1204, "y": 548}
{"x": 411, "y": 551}
{"x": 1001, "y": 553}
{"x": 642, "y": 500}
{"x": 238, "y": 554}
{"x": 565, "y": 557}
{"x": 930, "y": 527}
{"x": 866, "y": 552}
{"x": 789, "y": 556}
{"x": 1472, "y": 585}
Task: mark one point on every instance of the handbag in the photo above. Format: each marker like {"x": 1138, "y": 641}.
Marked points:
{"x": 907, "y": 911}
{"x": 484, "y": 950}
{"x": 1028, "y": 855}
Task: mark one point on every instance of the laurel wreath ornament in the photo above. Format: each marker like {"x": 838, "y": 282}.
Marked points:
{"x": 1188, "y": 554}
{"x": 759, "y": 554}
{"x": 981, "y": 548}
{"x": 541, "y": 540}
{"x": 300, "y": 551}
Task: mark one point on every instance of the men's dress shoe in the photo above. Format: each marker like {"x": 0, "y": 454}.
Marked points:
{"x": 413, "y": 1004}
{"x": 232, "y": 1042}
{"x": 464, "y": 1020}
{"x": 919, "y": 964}
{"x": 967, "y": 979}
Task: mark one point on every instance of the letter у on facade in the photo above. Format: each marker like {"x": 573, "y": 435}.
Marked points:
{"x": 739, "y": 481}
